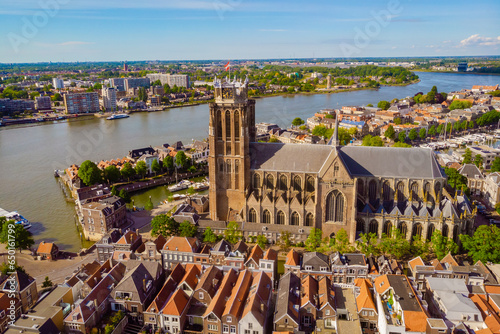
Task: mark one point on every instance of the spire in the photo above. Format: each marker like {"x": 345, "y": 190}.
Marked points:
{"x": 335, "y": 137}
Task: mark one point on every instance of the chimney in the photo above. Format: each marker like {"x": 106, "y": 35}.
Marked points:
{"x": 262, "y": 308}
{"x": 95, "y": 304}
{"x": 144, "y": 285}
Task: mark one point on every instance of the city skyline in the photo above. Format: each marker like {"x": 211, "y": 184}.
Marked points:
{"x": 62, "y": 30}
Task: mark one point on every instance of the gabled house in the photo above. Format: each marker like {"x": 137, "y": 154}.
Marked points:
{"x": 23, "y": 287}
{"x": 47, "y": 250}
{"x": 367, "y": 310}
{"x": 292, "y": 263}
{"x": 254, "y": 317}
{"x": 152, "y": 316}
{"x": 286, "y": 314}
{"x": 347, "y": 268}
{"x": 315, "y": 264}
{"x": 327, "y": 314}
{"x": 236, "y": 302}
{"x": 190, "y": 280}
{"x": 309, "y": 303}
{"x": 173, "y": 315}
{"x": 254, "y": 257}
{"x": 179, "y": 250}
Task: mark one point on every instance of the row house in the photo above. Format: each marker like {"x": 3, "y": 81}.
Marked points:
{"x": 136, "y": 290}
{"x": 5, "y": 312}
{"x": 23, "y": 286}
{"x": 383, "y": 266}
{"x": 225, "y": 256}
{"x": 258, "y": 260}
{"x": 79, "y": 277}
{"x": 346, "y": 268}
{"x": 306, "y": 304}
{"x": 475, "y": 178}
{"x": 365, "y": 302}
{"x": 180, "y": 250}
{"x": 89, "y": 312}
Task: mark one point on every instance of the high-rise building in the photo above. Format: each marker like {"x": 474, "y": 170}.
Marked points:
{"x": 80, "y": 103}
{"x": 179, "y": 80}
{"x": 329, "y": 81}
{"x": 136, "y": 83}
{"x": 58, "y": 83}
{"x": 109, "y": 98}
{"x": 43, "y": 103}
{"x": 125, "y": 67}
{"x": 7, "y": 106}
{"x": 118, "y": 83}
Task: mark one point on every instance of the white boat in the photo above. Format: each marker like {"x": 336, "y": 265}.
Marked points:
{"x": 184, "y": 184}
{"x": 177, "y": 197}
{"x": 200, "y": 186}
{"x": 117, "y": 116}
{"x": 16, "y": 217}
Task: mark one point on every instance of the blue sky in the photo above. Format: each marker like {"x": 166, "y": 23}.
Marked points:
{"x": 118, "y": 30}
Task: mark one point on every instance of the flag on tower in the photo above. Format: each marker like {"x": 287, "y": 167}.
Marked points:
{"x": 227, "y": 66}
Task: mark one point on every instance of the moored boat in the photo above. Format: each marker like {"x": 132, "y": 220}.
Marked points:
{"x": 16, "y": 217}
{"x": 117, "y": 116}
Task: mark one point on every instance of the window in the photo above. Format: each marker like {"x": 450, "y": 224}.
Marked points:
{"x": 327, "y": 312}
{"x": 225, "y": 329}
{"x": 335, "y": 206}
{"x": 250, "y": 325}
{"x": 252, "y": 216}
{"x": 229, "y": 319}
{"x": 213, "y": 327}
{"x": 309, "y": 267}
{"x": 322, "y": 268}
{"x": 167, "y": 319}
{"x": 233, "y": 329}
{"x": 307, "y": 320}
{"x": 266, "y": 218}
{"x": 247, "y": 331}
{"x": 295, "y": 219}
{"x": 201, "y": 295}
{"x": 280, "y": 219}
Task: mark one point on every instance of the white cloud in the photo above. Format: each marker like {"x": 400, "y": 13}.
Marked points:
{"x": 476, "y": 40}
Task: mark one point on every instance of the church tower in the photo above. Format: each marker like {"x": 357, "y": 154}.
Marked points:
{"x": 231, "y": 130}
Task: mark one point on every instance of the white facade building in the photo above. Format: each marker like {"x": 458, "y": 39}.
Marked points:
{"x": 109, "y": 98}
{"x": 58, "y": 83}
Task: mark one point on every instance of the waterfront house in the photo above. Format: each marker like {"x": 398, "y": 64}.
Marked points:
{"x": 47, "y": 250}
{"x": 102, "y": 216}
{"x": 137, "y": 153}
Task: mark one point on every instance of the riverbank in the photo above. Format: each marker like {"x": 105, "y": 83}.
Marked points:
{"x": 453, "y": 72}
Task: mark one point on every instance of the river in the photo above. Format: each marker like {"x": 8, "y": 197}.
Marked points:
{"x": 29, "y": 155}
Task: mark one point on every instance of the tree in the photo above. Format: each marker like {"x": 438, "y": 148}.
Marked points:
{"x": 340, "y": 242}
{"x": 395, "y": 245}
{"x": 186, "y": 229}
{"x": 478, "y": 160}
{"x": 483, "y": 245}
{"x": 390, "y": 133}
{"x": 369, "y": 140}
{"x": 273, "y": 139}
{"x": 209, "y": 236}
{"x": 467, "y": 156}
{"x": 89, "y": 173}
{"x": 114, "y": 191}
{"x": 233, "y": 232}
{"x": 297, "y": 121}
{"x": 155, "y": 166}
{"x": 384, "y": 105}
{"x": 402, "y": 136}
{"x": 497, "y": 208}
{"x": 432, "y": 131}
{"x": 164, "y": 225}
{"x": 397, "y": 120}
{"x": 413, "y": 134}
{"x": 313, "y": 241}
{"x": 455, "y": 179}
{"x": 47, "y": 283}
{"x": 127, "y": 171}
{"x": 442, "y": 245}
{"x": 111, "y": 174}
{"x": 168, "y": 162}
{"x": 440, "y": 128}
{"x": 457, "y": 104}
{"x": 284, "y": 241}
{"x": 422, "y": 134}
{"x": 181, "y": 159}
{"x": 16, "y": 235}
{"x": 344, "y": 135}
{"x": 125, "y": 196}
{"x": 368, "y": 244}
{"x": 192, "y": 169}
{"x": 141, "y": 168}
{"x": 149, "y": 205}
{"x": 495, "y": 166}
{"x": 401, "y": 144}
{"x": 262, "y": 241}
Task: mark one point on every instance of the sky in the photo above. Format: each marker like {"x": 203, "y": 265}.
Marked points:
{"x": 121, "y": 30}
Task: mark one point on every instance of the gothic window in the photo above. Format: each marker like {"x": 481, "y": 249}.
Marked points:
{"x": 417, "y": 231}
{"x": 221, "y": 165}
{"x": 361, "y": 190}
{"x": 309, "y": 219}
{"x": 387, "y": 191}
{"x": 266, "y": 217}
{"x": 401, "y": 192}
{"x": 372, "y": 190}
{"x": 295, "y": 219}
{"x": 256, "y": 181}
{"x": 282, "y": 182}
{"x": 437, "y": 190}
{"x": 270, "y": 181}
{"x": 455, "y": 233}
{"x": 310, "y": 184}
{"x": 236, "y": 125}
{"x": 335, "y": 206}
{"x": 445, "y": 230}
{"x": 360, "y": 225}
{"x": 430, "y": 231}
{"x": 228, "y": 125}
{"x": 414, "y": 191}
{"x": 252, "y": 216}
{"x": 219, "y": 126}
{"x": 403, "y": 229}
{"x": 336, "y": 170}
{"x": 427, "y": 191}
{"x": 228, "y": 171}
{"x": 236, "y": 174}
{"x": 387, "y": 228}
{"x": 296, "y": 183}
{"x": 373, "y": 227}
{"x": 280, "y": 218}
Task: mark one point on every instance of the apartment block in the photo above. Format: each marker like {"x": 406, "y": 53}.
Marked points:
{"x": 81, "y": 103}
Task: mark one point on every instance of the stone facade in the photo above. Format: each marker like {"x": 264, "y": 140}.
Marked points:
{"x": 330, "y": 187}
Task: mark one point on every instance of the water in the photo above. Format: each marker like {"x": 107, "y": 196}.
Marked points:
{"x": 29, "y": 155}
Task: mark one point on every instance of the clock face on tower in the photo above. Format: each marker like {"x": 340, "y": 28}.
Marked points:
{"x": 227, "y": 93}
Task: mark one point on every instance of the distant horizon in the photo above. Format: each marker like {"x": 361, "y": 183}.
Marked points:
{"x": 250, "y": 59}
{"x": 34, "y": 31}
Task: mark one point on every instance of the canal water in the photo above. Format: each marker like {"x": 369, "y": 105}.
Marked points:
{"x": 29, "y": 155}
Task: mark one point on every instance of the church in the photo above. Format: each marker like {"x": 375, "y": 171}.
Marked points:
{"x": 274, "y": 187}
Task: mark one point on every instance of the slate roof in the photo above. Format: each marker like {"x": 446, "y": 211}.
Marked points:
{"x": 133, "y": 282}
{"x": 308, "y": 158}
{"x": 315, "y": 259}
{"x": 373, "y": 161}
{"x": 471, "y": 171}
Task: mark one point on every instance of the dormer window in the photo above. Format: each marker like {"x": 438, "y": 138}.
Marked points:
{"x": 229, "y": 319}
{"x": 309, "y": 267}
{"x": 322, "y": 268}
